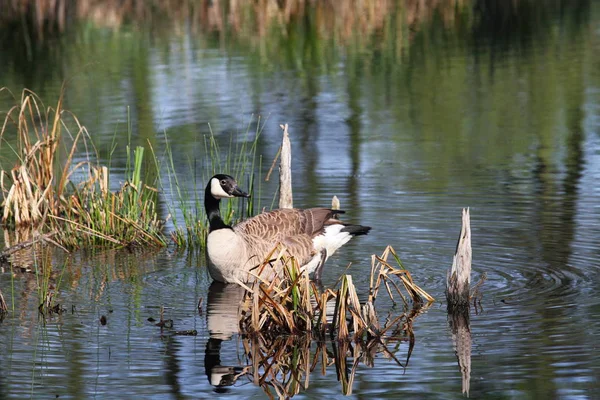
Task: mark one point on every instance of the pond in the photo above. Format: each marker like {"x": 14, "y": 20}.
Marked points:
{"x": 407, "y": 114}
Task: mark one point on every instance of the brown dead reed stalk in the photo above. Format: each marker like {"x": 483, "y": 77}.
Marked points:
{"x": 283, "y": 305}
{"x": 3, "y": 305}
{"x": 291, "y": 304}
{"x": 38, "y": 192}
{"x": 32, "y": 187}
{"x": 383, "y": 272}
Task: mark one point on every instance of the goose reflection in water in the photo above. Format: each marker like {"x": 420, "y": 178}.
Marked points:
{"x": 222, "y": 320}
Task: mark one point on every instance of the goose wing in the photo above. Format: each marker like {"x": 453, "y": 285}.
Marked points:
{"x": 294, "y": 228}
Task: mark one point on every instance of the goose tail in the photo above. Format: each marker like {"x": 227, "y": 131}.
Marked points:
{"x": 356, "y": 230}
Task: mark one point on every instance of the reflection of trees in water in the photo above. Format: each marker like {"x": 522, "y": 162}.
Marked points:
{"x": 392, "y": 46}
{"x": 557, "y": 185}
{"x": 523, "y": 26}
{"x": 340, "y": 19}
{"x": 512, "y": 22}
{"x": 556, "y": 196}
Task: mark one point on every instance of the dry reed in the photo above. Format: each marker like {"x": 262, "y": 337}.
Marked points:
{"x": 3, "y": 305}
{"x": 282, "y": 365}
{"x": 280, "y": 319}
{"x": 292, "y": 304}
{"x": 39, "y": 195}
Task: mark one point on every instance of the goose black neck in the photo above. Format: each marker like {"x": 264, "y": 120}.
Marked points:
{"x": 211, "y": 204}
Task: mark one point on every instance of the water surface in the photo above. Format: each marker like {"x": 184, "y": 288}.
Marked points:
{"x": 499, "y": 113}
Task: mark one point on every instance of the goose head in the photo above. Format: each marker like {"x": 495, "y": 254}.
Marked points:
{"x": 223, "y": 186}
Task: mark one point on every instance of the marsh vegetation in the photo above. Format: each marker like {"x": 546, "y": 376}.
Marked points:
{"x": 42, "y": 200}
{"x": 407, "y": 110}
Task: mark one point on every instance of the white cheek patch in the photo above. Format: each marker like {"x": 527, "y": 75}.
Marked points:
{"x": 217, "y": 191}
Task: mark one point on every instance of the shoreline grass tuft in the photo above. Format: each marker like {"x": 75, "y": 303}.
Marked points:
{"x": 38, "y": 192}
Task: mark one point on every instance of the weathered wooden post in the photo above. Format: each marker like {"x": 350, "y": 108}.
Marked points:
{"x": 458, "y": 279}
{"x": 458, "y": 285}
{"x": 286, "y": 199}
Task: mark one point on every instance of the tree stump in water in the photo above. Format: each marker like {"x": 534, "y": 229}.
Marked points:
{"x": 458, "y": 279}
{"x": 458, "y": 285}
{"x": 285, "y": 171}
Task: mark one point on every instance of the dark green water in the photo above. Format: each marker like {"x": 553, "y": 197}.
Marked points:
{"x": 499, "y": 112}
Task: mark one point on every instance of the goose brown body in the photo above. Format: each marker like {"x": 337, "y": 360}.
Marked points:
{"x": 293, "y": 228}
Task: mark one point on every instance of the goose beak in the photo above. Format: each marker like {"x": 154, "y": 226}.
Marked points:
{"x": 239, "y": 193}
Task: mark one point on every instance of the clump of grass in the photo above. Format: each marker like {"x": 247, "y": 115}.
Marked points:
{"x": 291, "y": 304}
{"x": 284, "y": 305}
{"x": 38, "y": 192}
{"x": 35, "y": 186}
{"x": 95, "y": 216}
{"x": 279, "y": 320}
{"x": 282, "y": 365}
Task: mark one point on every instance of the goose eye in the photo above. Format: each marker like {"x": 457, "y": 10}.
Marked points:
{"x": 223, "y": 182}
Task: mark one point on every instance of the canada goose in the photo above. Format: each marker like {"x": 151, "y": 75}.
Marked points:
{"x": 311, "y": 235}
